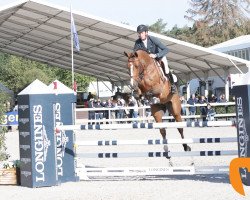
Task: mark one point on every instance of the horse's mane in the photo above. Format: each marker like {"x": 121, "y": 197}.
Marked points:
{"x": 148, "y": 61}
{"x": 143, "y": 55}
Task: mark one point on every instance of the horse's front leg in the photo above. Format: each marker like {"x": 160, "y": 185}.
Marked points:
{"x": 157, "y": 113}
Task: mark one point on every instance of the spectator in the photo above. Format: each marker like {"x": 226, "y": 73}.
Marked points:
{"x": 105, "y": 112}
{"x": 120, "y": 112}
{"x": 213, "y": 99}
{"x": 91, "y": 112}
{"x": 192, "y": 101}
{"x": 203, "y": 109}
{"x": 183, "y": 105}
{"x": 222, "y": 99}
{"x": 145, "y": 102}
{"x": 99, "y": 113}
{"x": 90, "y": 96}
{"x": 210, "y": 113}
{"x": 110, "y": 113}
{"x": 118, "y": 94}
{"x": 133, "y": 113}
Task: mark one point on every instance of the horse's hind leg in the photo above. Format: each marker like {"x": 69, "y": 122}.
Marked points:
{"x": 175, "y": 110}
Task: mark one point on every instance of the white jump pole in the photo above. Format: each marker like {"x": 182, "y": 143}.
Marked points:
{"x": 156, "y": 154}
{"x": 146, "y": 125}
{"x": 155, "y": 141}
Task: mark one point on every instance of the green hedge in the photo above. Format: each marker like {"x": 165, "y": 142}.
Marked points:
{"x": 220, "y": 109}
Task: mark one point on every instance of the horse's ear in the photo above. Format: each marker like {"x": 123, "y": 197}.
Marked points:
{"x": 126, "y": 54}
{"x": 136, "y": 54}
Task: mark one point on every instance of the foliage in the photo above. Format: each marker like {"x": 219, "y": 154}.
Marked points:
{"x": 12, "y": 164}
{"x": 65, "y": 77}
{"x": 216, "y": 21}
{"x": 18, "y": 73}
{"x": 224, "y": 13}
{"x": 158, "y": 27}
{"x": 3, "y": 130}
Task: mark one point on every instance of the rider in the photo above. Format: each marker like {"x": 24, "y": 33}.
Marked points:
{"x": 156, "y": 50}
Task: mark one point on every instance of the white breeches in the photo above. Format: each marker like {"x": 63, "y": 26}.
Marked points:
{"x": 164, "y": 60}
{"x": 174, "y": 78}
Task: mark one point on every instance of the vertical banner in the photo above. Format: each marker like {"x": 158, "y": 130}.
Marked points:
{"x": 63, "y": 108}
{"x": 242, "y": 106}
{"x": 36, "y": 136}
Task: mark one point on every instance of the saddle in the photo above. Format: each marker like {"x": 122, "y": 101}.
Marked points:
{"x": 161, "y": 66}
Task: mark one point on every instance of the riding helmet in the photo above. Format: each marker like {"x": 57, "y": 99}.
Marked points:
{"x": 142, "y": 28}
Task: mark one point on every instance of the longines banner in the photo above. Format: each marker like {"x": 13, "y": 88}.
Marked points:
{"x": 239, "y": 167}
{"x": 36, "y": 136}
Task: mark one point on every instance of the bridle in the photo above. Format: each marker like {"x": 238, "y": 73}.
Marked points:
{"x": 139, "y": 78}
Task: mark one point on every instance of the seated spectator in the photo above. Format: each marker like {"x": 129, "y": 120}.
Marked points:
{"x": 210, "y": 113}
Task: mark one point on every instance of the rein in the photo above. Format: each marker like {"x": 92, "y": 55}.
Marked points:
{"x": 140, "y": 74}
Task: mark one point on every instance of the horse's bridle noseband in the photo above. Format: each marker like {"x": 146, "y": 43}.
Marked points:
{"x": 141, "y": 69}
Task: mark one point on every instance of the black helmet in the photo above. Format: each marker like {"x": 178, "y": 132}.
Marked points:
{"x": 142, "y": 28}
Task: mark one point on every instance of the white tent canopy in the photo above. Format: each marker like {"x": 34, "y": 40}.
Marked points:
{"x": 41, "y": 32}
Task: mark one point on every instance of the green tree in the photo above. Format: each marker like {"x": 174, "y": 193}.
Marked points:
{"x": 216, "y": 21}
{"x": 65, "y": 76}
{"x": 17, "y": 73}
{"x": 185, "y": 33}
{"x": 158, "y": 27}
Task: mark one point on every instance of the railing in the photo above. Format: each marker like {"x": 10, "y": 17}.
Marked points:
{"x": 143, "y": 116}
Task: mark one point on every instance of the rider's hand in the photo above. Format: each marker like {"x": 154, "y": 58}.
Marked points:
{"x": 152, "y": 55}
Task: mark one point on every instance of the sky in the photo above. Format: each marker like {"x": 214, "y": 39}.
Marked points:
{"x": 133, "y": 12}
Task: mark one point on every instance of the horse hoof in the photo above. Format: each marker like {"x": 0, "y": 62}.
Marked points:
{"x": 192, "y": 163}
{"x": 165, "y": 148}
{"x": 187, "y": 148}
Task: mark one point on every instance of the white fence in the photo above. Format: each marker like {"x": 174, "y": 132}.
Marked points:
{"x": 142, "y": 113}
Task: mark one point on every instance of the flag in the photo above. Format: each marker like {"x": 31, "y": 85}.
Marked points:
{"x": 75, "y": 86}
{"x": 74, "y": 34}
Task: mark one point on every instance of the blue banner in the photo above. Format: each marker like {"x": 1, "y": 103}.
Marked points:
{"x": 10, "y": 119}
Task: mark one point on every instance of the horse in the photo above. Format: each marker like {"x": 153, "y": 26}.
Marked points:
{"x": 147, "y": 79}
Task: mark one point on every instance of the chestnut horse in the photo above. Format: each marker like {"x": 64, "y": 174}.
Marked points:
{"x": 148, "y": 80}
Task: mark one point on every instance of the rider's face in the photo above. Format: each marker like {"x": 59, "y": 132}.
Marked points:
{"x": 143, "y": 35}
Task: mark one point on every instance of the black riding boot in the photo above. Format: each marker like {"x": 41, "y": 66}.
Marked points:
{"x": 173, "y": 86}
